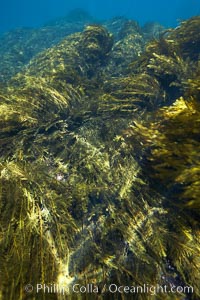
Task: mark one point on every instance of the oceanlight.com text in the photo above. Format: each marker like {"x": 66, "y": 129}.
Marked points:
{"x": 150, "y": 289}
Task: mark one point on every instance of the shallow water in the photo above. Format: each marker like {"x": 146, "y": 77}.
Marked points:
{"x": 99, "y": 153}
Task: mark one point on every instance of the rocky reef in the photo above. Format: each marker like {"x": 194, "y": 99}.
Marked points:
{"x": 99, "y": 163}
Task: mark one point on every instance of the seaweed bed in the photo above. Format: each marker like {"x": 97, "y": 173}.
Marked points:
{"x": 100, "y": 158}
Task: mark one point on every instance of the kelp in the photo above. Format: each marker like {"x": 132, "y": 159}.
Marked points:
{"x": 152, "y": 30}
{"x": 127, "y": 95}
{"x": 74, "y": 59}
{"x": 99, "y": 174}
{"x": 172, "y": 163}
{"x": 171, "y": 57}
{"x": 128, "y": 47}
{"x": 19, "y": 46}
{"x": 175, "y": 153}
{"x": 187, "y": 38}
{"x": 169, "y": 140}
{"x": 156, "y": 77}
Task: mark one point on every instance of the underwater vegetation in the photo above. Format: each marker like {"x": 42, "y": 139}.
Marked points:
{"x": 18, "y": 46}
{"x": 99, "y": 164}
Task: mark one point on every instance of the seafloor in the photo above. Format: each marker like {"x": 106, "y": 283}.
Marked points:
{"x": 100, "y": 160}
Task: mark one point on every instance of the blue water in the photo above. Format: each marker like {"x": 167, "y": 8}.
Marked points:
{"x": 33, "y": 13}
